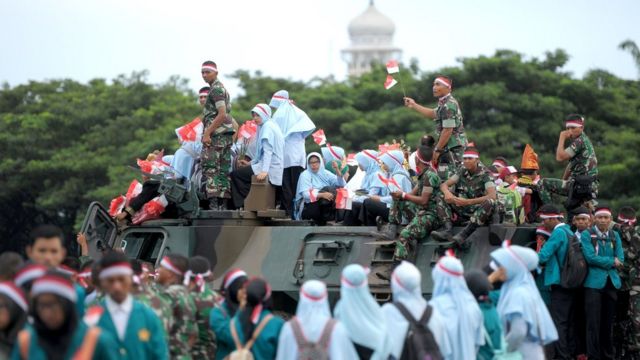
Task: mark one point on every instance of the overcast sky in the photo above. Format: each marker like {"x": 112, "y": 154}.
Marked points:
{"x": 298, "y": 39}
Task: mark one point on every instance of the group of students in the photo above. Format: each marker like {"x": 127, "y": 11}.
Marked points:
{"x": 116, "y": 308}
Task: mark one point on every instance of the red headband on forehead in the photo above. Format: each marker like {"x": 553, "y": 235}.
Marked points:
{"x": 444, "y": 81}
{"x": 312, "y": 297}
{"x": 471, "y": 154}
{"x": 630, "y": 221}
{"x": 266, "y": 114}
{"x": 367, "y": 153}
{"x": 209, "y": 67}
{"x": 333, "y": 152}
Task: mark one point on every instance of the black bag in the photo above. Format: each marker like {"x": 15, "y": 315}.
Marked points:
{"x": 419, "y": 343}
{"x": 575, "y": 269}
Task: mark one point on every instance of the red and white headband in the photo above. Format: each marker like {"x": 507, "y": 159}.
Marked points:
{"x": 542, "y": 231}
{"x": 119, "y": 269}
{"x": 393, "y": 157}
{"x": 582, "y": 215}
{"x": 204, "y": 93}
{"x": 209, "y": 67}
{"x": 625, "y": 220}
{"x": 369, "y": 154}
{"x": 333, "y": 152}
{"x": 66, "y": 270}
{"x": 167, "y": 264}
{"x": 314, "y": 297}
{"x": 602, "y": 212}
{"x": 444, "y": 81}
{"x": 54, "y": 285}
{"x": 449, "y": 254}
{"x": 232, "y": 276}
{"x": 29, "y": 273}
{"x": 14, "y": 293}
{"x": 499, "y": 163}
{"x": 421, "y": 159}
{"x": 260, "y": 110}
{"x": 550, "y": 216}
{"x": 471, "y": 154}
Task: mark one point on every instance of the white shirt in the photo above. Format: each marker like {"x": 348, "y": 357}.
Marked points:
{"x": 120, "y": 314}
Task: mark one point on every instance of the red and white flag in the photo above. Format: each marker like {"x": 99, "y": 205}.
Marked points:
{"x": 117, "y": 205}
{"x": 151, "y": 210}
{"x": 393, "y": 67}
{"x": 389, "y": 181}
{"x": 351, "y": 160}
{"x": 191, "y": 131}
{"x": 344, "y": 200}
{"x": 248, "y": 129}
{"x": 135, "y": 188}
{"x": 390, "y": 82}
{"x": 319, "y": 137}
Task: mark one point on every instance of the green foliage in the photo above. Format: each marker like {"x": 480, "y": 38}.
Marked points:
{"x": 65, "y": 144}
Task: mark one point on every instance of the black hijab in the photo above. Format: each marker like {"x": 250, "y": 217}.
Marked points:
{"x": 258, "y": 298}
{"x": 17, "y": 319}
{"x": 56, "y": 342}
{"x": 231, "y": 295}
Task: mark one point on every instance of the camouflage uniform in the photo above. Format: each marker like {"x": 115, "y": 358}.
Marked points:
{"x": 426, "y": 219}
{"x": 184, "y": 325}
{"x": 216, "y": 158}
{"x": 471, "y": 186}
{"x": 448, "y": 115}
{"x": 583, "y": 162}
{"x": 205, "y": 346}
{"x": 150, "y": 296}
{"x": 628, "y": 328}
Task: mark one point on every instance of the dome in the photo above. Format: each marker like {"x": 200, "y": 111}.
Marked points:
{"x": 371, "y": 22}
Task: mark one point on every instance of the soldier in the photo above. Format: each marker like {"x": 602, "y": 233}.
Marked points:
{"x": 205, "y": 299}
{"x": 148, "y": 294}
{"x": 184, "y": 332}
{"x": 473, "y": 198}
{"x": 449, "y": 126}
{"x": 426, "y": 198}
{"x": 628, "y": 318}
{"x": 579, "y": 182}
{"x": 136, "y": 328}
{"x": 217, "y": 139}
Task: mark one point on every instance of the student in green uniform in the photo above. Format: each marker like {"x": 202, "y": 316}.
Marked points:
{"x": 479, "y": 285}
{"x": 254, "y": 325}
{"x": 205, "y": 299}
{"x": 136, "y": 328}
{"x": 46, "y": 247}
{"x": 232, "y": 284}
{"x": 57, "y": 333}
{"x": 13, "y": 316}
{"x": 184, "y": 332}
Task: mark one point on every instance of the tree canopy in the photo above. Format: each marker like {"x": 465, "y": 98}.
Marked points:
{"x": 66, "y": 143}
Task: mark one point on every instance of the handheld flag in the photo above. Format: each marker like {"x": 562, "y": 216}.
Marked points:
{"x": 390, "y": 82}
{"x": 191, "y": 131}
{"x": 248, "y": 129}
{"x": 393, "y": 67}
{"x": 319, "y": 137}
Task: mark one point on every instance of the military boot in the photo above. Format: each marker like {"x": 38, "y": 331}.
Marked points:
{"x": 388, "y": 231}
{"x": 461, "y": 238}
{"x": 444, "y": 233}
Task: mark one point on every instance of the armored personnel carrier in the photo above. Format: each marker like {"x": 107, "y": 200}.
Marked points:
{"x": 284, "y": 251}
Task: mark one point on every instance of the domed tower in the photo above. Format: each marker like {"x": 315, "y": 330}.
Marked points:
{"x": 371, "y": 35}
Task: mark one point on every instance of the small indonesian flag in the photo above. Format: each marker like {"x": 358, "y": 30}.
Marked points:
{"x": 135, "y": 188}
{"x": 319, "y": 137}
{"x": 351, "y": 160}
{"x": 392, "y": 67}
{"x": 151, "y": 210}
{"x": 343, "y": 199}
{"x": 117, "y": 204}
{"x": 248, "y": 129}
{"x": 390, "y": 82}
{"x": 93, "y": 315}
{"x": 389, "y": 181}
{"x": 191, "y": 131}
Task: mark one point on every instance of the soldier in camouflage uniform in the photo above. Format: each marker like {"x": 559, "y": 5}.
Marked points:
{"x": 627, "y": 326}
{"x": 217, "y": 139}
{"x": 426, "y": 200}
{"x": 205, "y": 299}
{"x": 145, "y": 291}
{"x": 582, "y": 163}
{"x": 473, "y": 198}
{"x": 184, "y": 331}
{"x": 452, "y": 139}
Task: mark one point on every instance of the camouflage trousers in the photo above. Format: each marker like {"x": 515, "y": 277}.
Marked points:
{"x": 402, "y": 210}
{"x": 216, "y": 166}
{"x": 549, "y": 186}
{"x": 627, "y": 330}
{"x": 479, "y": 214}
{"x": 454, "y": 161}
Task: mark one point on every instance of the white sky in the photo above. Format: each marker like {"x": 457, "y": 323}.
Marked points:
{"x": 297, "y": 39}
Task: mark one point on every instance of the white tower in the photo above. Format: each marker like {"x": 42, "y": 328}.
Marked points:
{"x": 371, "y": 35}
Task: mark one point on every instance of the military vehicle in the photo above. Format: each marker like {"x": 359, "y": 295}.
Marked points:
{"x": 285, "y": 252}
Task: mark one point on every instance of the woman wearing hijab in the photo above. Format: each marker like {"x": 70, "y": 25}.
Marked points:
{"x": 480, "y": 286}
{"x": 313, "y": 324}
{"x": 254, "y": 327}
{"x": 335, "y": 158}
{"x": 361, "y": 315}
{"x": 371, "y": 187}
{"x": 13, "y": 315}
{"x": 524, "y": 316}
{"x": 267, "y": 164}
{"x": 452, "y": 298}
{"x": 406, "y": 282}
{"x": 315, "y": 197}
{"x": 222, "y": 314}
{"x": 57, "y": 332}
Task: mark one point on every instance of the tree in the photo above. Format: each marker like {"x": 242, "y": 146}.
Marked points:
{"x": 631, "y": 48}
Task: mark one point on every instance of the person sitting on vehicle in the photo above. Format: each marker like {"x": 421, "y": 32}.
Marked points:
{"x": 370, "y": 190}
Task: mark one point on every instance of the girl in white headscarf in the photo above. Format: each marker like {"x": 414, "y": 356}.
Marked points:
{"x": 315, "y": 199}
{"x": 406, "y": 286}
{"x": 524, "y": 316}
{"x": 454, "y": 301}
{"x": 312, "y": 316}
{"x": 361, "y": 315}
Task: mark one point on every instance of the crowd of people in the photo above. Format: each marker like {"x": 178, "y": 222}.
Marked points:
{"x": 526, "y": 303}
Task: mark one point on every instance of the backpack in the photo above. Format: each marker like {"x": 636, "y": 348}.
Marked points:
{"x": 575, "y": 268}
{"x": 308, "y": 350}
{"x": 419, "y": 343}
{"x": 244, "y": 352}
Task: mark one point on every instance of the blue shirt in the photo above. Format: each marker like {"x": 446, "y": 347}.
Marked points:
{"x": 553, "y": 253}
{"x": 601, "y": 257}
